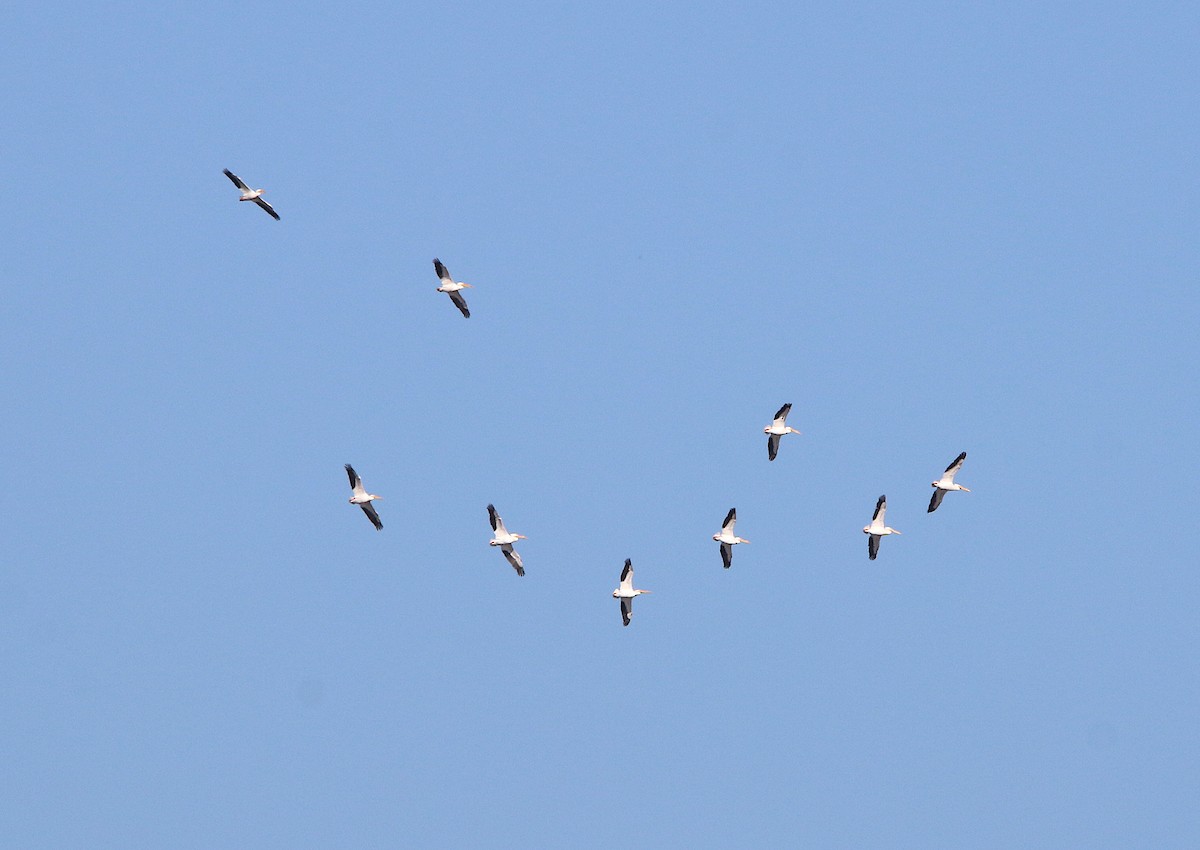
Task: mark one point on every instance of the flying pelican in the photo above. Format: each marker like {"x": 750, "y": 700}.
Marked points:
{"x": 626, "y": 592}
{"x": 362, "y": 498}
{"x": 727, "y": 539}
{"x": 777, "y": 429}
{"x": 946, "y": 482}
{"x": 451, "y": 287}
{"x": 877, "y": 529}
{"x": 249, "y": 194}
{"x": 505, "y": 539}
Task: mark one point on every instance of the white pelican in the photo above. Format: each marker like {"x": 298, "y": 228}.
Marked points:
{"x": 362, "y": 498}
{"x": 505, "y": 539}
{"x": 249, "y": 194}
{"x": 451, "y": 287}
{"x": 727, "y": 539}
{"x": 877, "y": 529}
{"x": 626, "y": 592}
{"x": 946, "y": 482}
{"x": 777, "y": 429}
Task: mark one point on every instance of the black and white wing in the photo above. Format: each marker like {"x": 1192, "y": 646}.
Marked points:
{"x": 880, "y": 511}
{"x": 514, "y": 558}
{"x": 460, "y": 303}
{"x": 626, "y": 610}
{"x": 772, "y": 446}
{"x": 730, "y": 521}
{"x": 782, "y": 415}
{"x": 938, "y": 493}
{"x": 355, "y": 482}
{"x": 952, "y": 469}
{"x": 497, "y": 523}
{"x": 270, "y": 209}
{"x": 872, "y": 545}
{"x": 726, "y": 555}
{"x": 237, "y": 181}
{"x": 369, "y": 510}
{"x": 627, "y": 576}
{"x": 442, "y": 273}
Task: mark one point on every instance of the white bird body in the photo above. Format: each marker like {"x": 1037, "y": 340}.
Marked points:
{"x": 727, "y": 538}
{"x": 778, "y": 428}
{"x": 625, "y": 592}
{"x": 946, "y": 483}
{"x": 505, "y": 539}
{"x": 362, "y": 498}
{"x": 451, "y": 287}
{"x": 877, "y": 529}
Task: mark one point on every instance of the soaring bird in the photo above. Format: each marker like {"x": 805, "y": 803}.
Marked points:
{"x": 777, "y": 429}
{"x": 505, "y": 539}
{"x": 451, "y": 287}
{"x": 362, "y": 498}
{"x": 249, "y": 194}
{"x": 946, "y": 482}
{"x": 877, "y": 529}
{"x": 727, "y": 539}
{"x": 626, "y": 592}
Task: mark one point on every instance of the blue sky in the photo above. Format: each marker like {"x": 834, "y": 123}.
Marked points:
{"x": 930, "y": 228}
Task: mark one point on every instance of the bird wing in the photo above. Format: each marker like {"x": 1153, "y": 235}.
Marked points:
{"x": 237, "y": 181}
{"x": 369, "y": 510}
{"x": 772, "y": 446}
{"x": 953, "y": 468}
{"x": 270, "y": 209}
{"x": 730, "y": 521}
{"x": 355, "y": 482}
{"x": 938, "y": 493}
{"x": 626, "y": 610}
{"x": 781, "y": 416}
{"x": 460, "y": 303}
{"x": 513, "y": 558}
{"x": 880, "y": 511}
{"x": 872, "y": 545}
{"x": 726, "y": 555}
{"x": 497, "y": 522}
{"x": 441, "y": 270}
{"x": 627, "y": 576}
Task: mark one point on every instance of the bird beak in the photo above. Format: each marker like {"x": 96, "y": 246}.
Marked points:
{"x": 966, "y": 489}
{"x": 647, "y": 591}
{"x": 468, "y": 286}
{"x": 894, "y": 531}
{"x": 522, "y": 536}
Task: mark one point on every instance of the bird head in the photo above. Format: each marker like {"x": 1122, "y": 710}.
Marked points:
{"x": 866, "y": 529}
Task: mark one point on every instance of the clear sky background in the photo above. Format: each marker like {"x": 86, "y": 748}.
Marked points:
{"x": 931, "y": 228}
